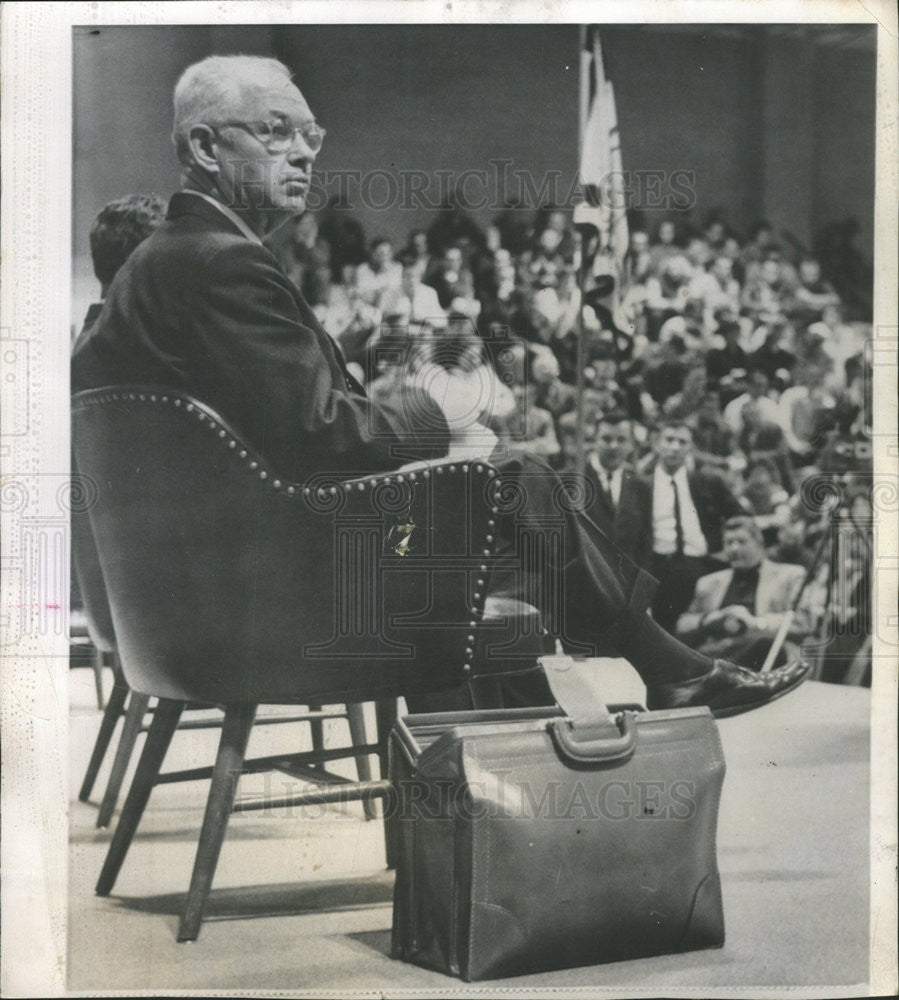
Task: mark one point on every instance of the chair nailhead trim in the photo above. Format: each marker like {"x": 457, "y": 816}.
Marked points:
{"x": 263, "y": 474}
{"x": 254, "y": 465}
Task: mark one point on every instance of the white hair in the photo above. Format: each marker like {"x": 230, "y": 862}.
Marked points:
{"x": 206, "y": 89}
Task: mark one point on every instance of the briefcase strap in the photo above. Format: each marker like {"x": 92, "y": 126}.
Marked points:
{"x": 569, "y": 681}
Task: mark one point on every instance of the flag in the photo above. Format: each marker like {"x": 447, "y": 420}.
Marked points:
{"x": 601, "y": 175}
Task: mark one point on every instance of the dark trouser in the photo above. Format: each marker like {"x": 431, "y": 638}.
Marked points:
{"x": 677, "y": 576}
{"x": 551, "y": 555}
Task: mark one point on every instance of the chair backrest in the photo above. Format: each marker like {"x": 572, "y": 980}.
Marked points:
{"x": 227, "y": 583}
{"x": 89, "y": 578}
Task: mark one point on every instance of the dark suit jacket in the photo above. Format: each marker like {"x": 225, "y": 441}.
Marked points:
{"x": 630, "y": 527}
{"x": 201, "y": 308}
{"x": 714, "y": 504}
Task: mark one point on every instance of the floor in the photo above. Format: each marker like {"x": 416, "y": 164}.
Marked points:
{"x": 302, "y": 902}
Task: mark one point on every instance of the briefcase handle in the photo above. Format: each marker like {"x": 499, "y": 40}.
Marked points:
{"x": 601, "y": 749}
{"x": 589, "y": 733}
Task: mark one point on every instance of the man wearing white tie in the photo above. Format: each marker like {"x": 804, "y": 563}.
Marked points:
{"x": 689, "y": 509}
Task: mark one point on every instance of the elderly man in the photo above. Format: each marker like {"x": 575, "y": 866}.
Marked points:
{"x": 737, "y": 612}
{"x": 202, "y": 306}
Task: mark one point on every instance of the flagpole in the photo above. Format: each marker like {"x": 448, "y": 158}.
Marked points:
{"x": 583, "y": 103}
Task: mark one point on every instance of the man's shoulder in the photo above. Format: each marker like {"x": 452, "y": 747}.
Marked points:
{"x": 784, "y": 571}
{"x": 640, "y": 486}
{"x": 711, "y": 482}
{"x": 712, "y": 580}
{"x": 190, "y": 239}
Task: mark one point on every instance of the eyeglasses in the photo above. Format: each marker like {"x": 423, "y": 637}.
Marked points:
{"x": 279, "y": 135}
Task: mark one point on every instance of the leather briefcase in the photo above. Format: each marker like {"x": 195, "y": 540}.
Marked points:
{"x": 537, "y": 839}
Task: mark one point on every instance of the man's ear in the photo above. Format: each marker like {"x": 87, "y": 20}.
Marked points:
{"x": 201, "y": 140}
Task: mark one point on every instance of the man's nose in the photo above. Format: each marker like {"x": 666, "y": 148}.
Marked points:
{"x": 300, "y": 151}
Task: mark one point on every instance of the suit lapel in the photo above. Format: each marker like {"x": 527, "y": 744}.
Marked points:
{"x": 723, "y": 580}
{"x": 764, "y": 591}
{"x": 603, "y": 499}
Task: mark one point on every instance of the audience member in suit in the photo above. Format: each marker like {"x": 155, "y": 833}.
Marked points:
{"x": 623, "y": 502}
{"x": 203, "y": 307}
{"x": 737, "y": 612}
{"x": 688, "y": 512}
{"x": 121, "y": 226}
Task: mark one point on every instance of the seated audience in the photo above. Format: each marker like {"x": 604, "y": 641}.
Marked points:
{"x": 306, "y": 258}
{"x": 737, "y": 612}
{"x": 529, "y": 428}
{"x": 411, "y": 302}
{"x": 379, "y": 273}
{"x": 813, "y": 294}
{"x": 765, "y": 498}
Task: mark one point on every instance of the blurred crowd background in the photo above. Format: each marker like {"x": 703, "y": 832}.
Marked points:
{"x": 750, "y": 322}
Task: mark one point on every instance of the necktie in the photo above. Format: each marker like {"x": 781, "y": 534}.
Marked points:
{"x": 678, "y": 524}
{"x": 607, "y": 488}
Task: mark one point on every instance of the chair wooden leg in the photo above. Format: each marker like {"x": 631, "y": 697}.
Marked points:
{"x": 165, "y": 722}
{"x": 98, "y": 677}
{"x": 114, "y": 708}
{"x": 228, "y": 766}
{"x": 355, "y": 715}
{"x": 385, "y": 715}
{"x": 316, "y": 729}
{"x": 134, "y": 719}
